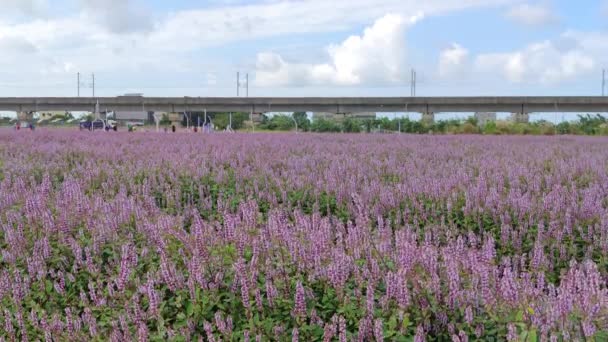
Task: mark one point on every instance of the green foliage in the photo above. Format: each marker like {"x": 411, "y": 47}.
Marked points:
{"x": 302, "y": 120}
{"x": 472, "y": 120}
{"x": 410, "y": 126}
{"x": 285, "y": 122}
{"x": 587, "y": 125}
{"x": 590, "y": 125}
{"x": 490, "y": 128}
{"x": 351, "y": 125}
{"x": 165, "y": 120}
{"x": 563, "y": 128}
{"x": 222, "y": 120}
{"x": 468, "y": 128}
{"x": 279, "y": 122}
{"x": 88, "y": 117}
{"x": 325, "y": 126}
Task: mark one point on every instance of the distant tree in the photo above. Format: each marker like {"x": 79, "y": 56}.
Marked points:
{"x": 563, "y": 128}
{"x": 222, "y": 120}
{"x": 590, "y": 125}
{"x": 282, "y": 122}
{"x": 368, "y": 125}
{"x": 88, "y": 117}
{"x": 490, "y": 128}
{"x": 411, "y": 126}
{"x": 547, "y": 128}
{"x": 264, "y": 120}
{"x": 472, "y": 120}
{"x": 164, "y": 120}
{"x": 238, "y": 120}
{"x": 469, "y": 128}
{"x": 302, "y": 120}
{"x": 440, "y": 126}
{"x": 324, "y": 126}
{"x": 385, "y": 124}
{"x": 351, "y": 125}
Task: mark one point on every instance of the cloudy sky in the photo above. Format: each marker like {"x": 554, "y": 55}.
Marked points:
{"x": 303, "y": 47}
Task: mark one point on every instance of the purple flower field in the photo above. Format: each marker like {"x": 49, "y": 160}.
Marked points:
{"x": 276, "y": 237}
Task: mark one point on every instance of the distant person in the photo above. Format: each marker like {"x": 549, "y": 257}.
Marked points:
{"x": 18, "y": 125}
{"x": 173, "y": 128}
{"x": 32, "y": 127}
{"x": 115, "y": 127}
{"x": 195, "y": 129}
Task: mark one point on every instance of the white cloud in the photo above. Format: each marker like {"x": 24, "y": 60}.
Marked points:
{"x": 112, "y": 39}
{"x": 25, "y": 7}
{"x": 194, "y": 29}
{"x": 118, "y": 16}
{"x": 532, "y": 15}
{"x": 453, "y": 61}
{"x": 16, "y": 44}
{"x": 545, "y": 63}
{"x": 219, "y": 25}
{"x": 377, "y": 56}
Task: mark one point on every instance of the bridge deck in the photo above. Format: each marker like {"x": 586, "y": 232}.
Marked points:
{"x": 314, "y": 104}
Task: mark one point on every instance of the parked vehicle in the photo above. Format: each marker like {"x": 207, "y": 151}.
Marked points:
{"x": 92, "y": 125}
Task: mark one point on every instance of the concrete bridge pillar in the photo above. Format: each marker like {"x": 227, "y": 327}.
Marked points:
{"x": 520, "y": 117}
{"x": 428, "y": 117}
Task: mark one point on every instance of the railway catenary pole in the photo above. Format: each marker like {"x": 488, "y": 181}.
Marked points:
{"x": 604, "y": 82}
{"x": 205, "y": 120}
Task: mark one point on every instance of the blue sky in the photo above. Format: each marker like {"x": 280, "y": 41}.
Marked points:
{"x": 303, "y": 47}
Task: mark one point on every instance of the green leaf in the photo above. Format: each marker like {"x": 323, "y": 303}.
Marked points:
{"x": 406, "y": 321}
{"x": 532, "y": 336}
{"x": 48, "y": 286}
{"x": 392, "y": 323}
{"x": 189, "y": 309}
{"x": 601, "y": 336}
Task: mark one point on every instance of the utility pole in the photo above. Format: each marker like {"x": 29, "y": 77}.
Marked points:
{"x": 413, "y": 83}
{"x": 205, "y": 121}
{"x": 78, "y": 83}
{"x": 398, "y": 122}
{"x": 238, "y": 81}
{"x": 251, "y": 119}
{"x": 604, "y": 82}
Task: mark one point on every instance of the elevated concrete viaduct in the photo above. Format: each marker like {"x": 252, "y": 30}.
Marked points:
{"x": 428, "y": 106}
